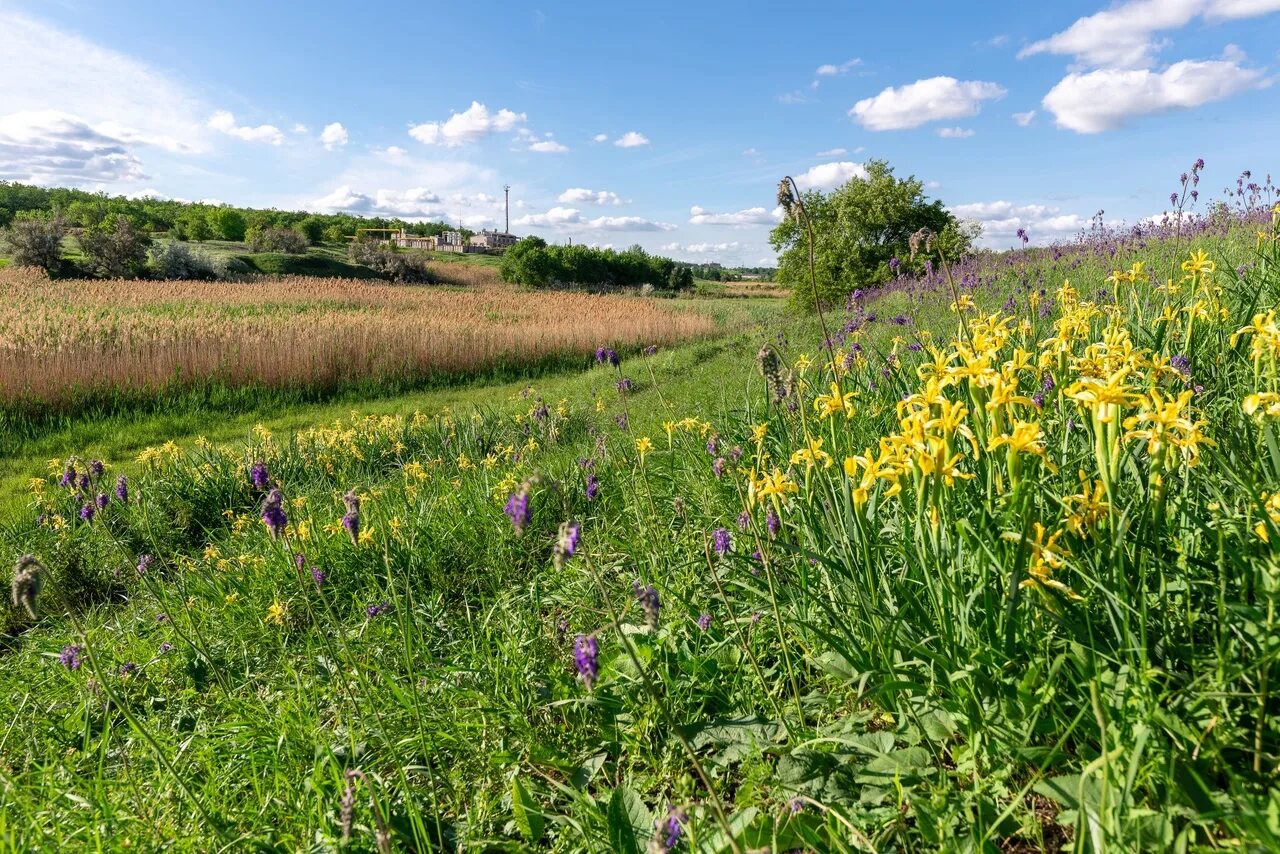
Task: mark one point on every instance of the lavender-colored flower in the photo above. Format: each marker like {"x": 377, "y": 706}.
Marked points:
{"x": 649, "y": 603}
{"x": 122, "y": 489}
{"x": 83, "y": 483}
{"x": 772, "y": 523}
{"x": 586, "y": 655}
{"x": 624, "y": 385}
{"x": 704, "y": 622}
{"x": 735, "y": 453}
{"x": 1173, "y": 198}
{"x": 796, "y": 805}
{"x": 717, "y": 466}
{"x": 621, "y": 420}
{"x": 103, "y": 500}
{"x": 567, "y": 542}
{"x": 128, "y": 669}
{"x": 87, "y": 512}
{"x": 744, "y": 520}
{"x": 70, "y": 656}
{"x": 351, "y": 521}
{"x": 721, "y": 542}
{"x": 97, "y": 469}
{"x": 673, "y": 825}
{"x": 713, "y": 446}
{"x": 607, "y": 355}
{"x": 162, "y": 618}
{"x": 377, "y": 610}
{"x": 1023, "y": 236}
{"x": 319, "y": 576}
{"x": 915, "y": 346}
{"x": 166, "y": 648}
{"x": 651, "y": 350}
{"x": 68, "y": 476}
{"x": 144, "y": 563}
{"x": 1181, "y": 364}
{"x": 273, "y": 515}
{"x": 259, "y": 477}
{"x": 593, "y": 487}
{"x": 894, "y": 264}
{"x": 517, "y": 509}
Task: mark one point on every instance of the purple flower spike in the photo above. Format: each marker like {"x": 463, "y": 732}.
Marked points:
{"x": 70, "y": 656}
{"x": 586, "y": 655}
{"x": 567, "y": 543}
{"x": 122, "y": 489}
{"x": 378, "y": 610}
{"x": 721, "y": 542}
{"x": 704, "y": 622}
{"x": 259, "y": 477}
{"x": 517, "y": 509}
{"x": 273, "y": 515}
{"x": 649, "y": 603}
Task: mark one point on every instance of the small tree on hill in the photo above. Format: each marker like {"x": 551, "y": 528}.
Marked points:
{"x": 227, "y": 223}
{"x": 116, "y": 249}
{"x": 858, "y": 229}
{"x": 36, "y": 241}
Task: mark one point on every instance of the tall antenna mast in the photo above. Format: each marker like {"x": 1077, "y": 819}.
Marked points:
{"x": 506, "y": 189}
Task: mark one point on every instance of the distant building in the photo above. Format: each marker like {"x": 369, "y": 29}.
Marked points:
{"x": 405, "y": 240}
{"x": 494, "y": 241}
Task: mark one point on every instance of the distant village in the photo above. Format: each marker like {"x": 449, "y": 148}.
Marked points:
{"x": 483, "y": 242}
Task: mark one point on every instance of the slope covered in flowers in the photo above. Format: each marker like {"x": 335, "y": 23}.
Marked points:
{"x": 998, "y": 572}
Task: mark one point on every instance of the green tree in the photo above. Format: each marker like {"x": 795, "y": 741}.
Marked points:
{"x": 528, "y": 263}
{"x": 36, "y": 241}
{"x": 116, "y": 249}
{"x": 858, "y": 229}
{"x": 196, "y": 224}
{"x": 312, "y": 228}
{"x": 227, "y": 223}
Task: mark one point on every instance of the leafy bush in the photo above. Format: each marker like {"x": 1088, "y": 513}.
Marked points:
{"x": 860, "y": 230}
{"x": 115, "y": 249}
{"x": 36, "y": 241}
{"x": 535, "y": 263}
{"x": 178, "y": 261}
{"x": 226, "y": 222}
{"x": 285, "y": 240}
{"x": 397, "y": 266}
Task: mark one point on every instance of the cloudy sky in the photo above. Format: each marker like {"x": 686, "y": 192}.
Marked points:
{"x": 663, "y": 123}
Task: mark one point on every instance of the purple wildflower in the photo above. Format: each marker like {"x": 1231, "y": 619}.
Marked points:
{"x": 87, "y": 512}
{"x": 517, "y": 509}
{"x": 273, "y": 515}
{"x": 122, "y": 489}
{"x": 649, "y": 603}
{"x": 259, "y": 477}
{"x": 704, "y": 622}
{"x": 624, "y": 385}
{"x": 70, "y": 656}
{"x": 83, "y": 483}
{"x": 621, "y": 420}
{"x": 128, "y": 669}
{"x": 586, "y": 655}
{"x": 144, "y": 563}
{"x": 1181, "y": 364}
{"x": 567, "y": 543}
{"x": 97, "y": 469}
{"x": 351, "y": 521}
{"x": 772, "y": 523}
{"x": 744, "y": 519}
{"x": 607, "y": 355}
{"x": 68, "y": 476}
{"x": 103, "y": 500}
{"x": 651, "y": 350}
{"x": 713, "y": 446}
{"x": 593, "y": 487}
{"x": 721, "y": 542}
{"x": 717, "y": 466}
{"x": 319, "y": 576}
{"x": 166, "y": 648}
{"x": 377, "y": 610}
{"x": 673, "y": 825}
{"x": 735, "y": 453}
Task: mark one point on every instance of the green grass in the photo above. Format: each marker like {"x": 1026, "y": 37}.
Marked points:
{"x": 860, "y": 670}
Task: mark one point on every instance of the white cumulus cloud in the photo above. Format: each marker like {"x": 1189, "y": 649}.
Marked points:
{"x": 828, "y": 176}
{"x": 955, "y": 133}
{"x": 1024, "y": 119}
{"x": 1124, "y": 36}
{"x": 1001, "y": 220}
{"x": 1102, "y": 100}
{"x": 415, "y": 203}
{"x": 631, "y": 139}
{"x": 701, "y": 248}
{"x": 548, "y": 146}
{"x": 737, "y": 219}
{"x": 472, "y": 124}
{"x": 48, "y": 147}
{"x": 224, "y": 121}
{"x": 934, "y": 99}
{"x": 833, "y": 152}
{"x": 600, "y": 137}
{"x": 581, "y": 195}
{"x": 334, "y": 136}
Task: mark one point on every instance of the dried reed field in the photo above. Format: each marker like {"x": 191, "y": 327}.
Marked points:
{"x": 62, "y": 340}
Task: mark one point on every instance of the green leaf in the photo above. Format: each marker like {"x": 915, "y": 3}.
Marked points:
{"x": 630, "y": 822}
{"x": 524, "y": 809}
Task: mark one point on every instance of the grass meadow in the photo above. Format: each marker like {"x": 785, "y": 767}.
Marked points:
{"x": 981, "y": 562}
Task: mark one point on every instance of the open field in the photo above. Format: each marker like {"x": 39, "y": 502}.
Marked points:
{"x": 997, "y": 570}
{"x": 67, "y": 341}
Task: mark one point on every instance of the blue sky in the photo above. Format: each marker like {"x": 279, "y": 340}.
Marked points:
{"x": 662, "y": 123}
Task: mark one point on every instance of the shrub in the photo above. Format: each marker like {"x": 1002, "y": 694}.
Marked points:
{"x": 115, "y": 249}
{"x": 228, "y": 223}
{"x": 312, "y": 228}
{"x": 284, "y": 240}
{"x": 397, "y": 266}
{"x": 177, "y": 261}
{"x": 37, "y": 241}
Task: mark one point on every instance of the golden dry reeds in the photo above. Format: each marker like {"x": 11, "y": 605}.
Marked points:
{"x": 60, "y": 340}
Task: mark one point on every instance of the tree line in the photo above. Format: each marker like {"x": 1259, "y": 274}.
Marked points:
{"x": 537, "y": 264}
